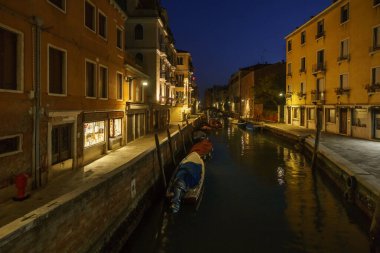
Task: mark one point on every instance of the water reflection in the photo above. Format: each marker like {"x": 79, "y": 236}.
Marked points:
{"x": 260, "y": 196}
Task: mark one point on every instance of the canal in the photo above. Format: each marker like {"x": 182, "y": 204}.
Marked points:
{"x": 260, "y": 196}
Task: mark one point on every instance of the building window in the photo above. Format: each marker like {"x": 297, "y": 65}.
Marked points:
{"x": 344, "y": 13}
{"x": 60, "y": 4}
{"x": 93, "y": 133}
{"x": 343, "y": 81}
{"x": 61, "y": 143}
{"x": 10, "y": 145}
{"x": 320, "y": 29}
{"x": 302, "y": 88}
{"x": 343, "y": 55}
{"x": 289, "y": 88}
{"x": 303, "y": 37}
{"x": 57, "y": 71}
{"x": 139, "y": 32}
{"x": 330, "y": 115}
{"x": 376, "y": 38}
{"x": 289, "y": 69}
{"x": 11, "y": 60}
{"x": 90, "y": 79}
{"x": 103, "y": 82}
{"x": 119, "y": 83}
{"x": 289, "y": 45}
{"x": 130, "y": 89}
{"x": 115, "y": 127}
{"x": 375, "y": 77}
{"x": 320, "y": 61}
{"x": 139, "y": 59}
{"x": 303, "y": 64}
{"x": 119, "y": 38}
{"x": 359, "y": 117}
{"x": 102, "y": 26}
{"x": 311, "y": 114}
{"x": 179, "y": 60}
{"x": 89, "y": 15}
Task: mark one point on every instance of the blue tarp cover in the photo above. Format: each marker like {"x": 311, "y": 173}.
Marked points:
{"x": 190, "y": 173}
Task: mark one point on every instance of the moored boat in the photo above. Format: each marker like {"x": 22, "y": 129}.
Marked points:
{"x": 203, "y": 148}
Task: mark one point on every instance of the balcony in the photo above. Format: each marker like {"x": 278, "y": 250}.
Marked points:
{"x": 343, "y": 58}
{"x": 317, "y": 97}
{"x": 342, "y": 91}
{"x": 290, "y": 74}
{"x": 372, "y": 88}
{"x": 320, "y": 34}
{"x": 320, "y": 67}
{"x": 303, "y": 70}
{"x": 289, "y": 95}
{"x": 301, "y": 95}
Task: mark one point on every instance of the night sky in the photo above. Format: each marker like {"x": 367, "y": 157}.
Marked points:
{"x": 224, "y": 35}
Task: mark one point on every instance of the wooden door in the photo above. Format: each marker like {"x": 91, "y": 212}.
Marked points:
{"x": 343, "y": 121}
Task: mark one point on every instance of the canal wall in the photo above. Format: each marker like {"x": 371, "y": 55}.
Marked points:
{"x": 97, "y": 216}
{"x": 356, "y": 185}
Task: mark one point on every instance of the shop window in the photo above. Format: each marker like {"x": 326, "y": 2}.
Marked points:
{"x": 10, "y": 145}
{"x": 102, "y": 25}
{"x": 90, "y": 79}
{"x": 119, "y": 38}
{"x": 330, "y": 115}
{"x": 10, "y": 60}
{"x": 119, "y": 91}
{"x": 139, "y": 32}
{"x": 89, "y": 15}
{"x": 115, "y": 128}
{"x": 103, "y": 82}
{"x": 344, "y": 13}
{"x": 311, "y": 114}
{"x": 57, "y": 71}
{"x": 60, "y": 4}
{"x": 61, "y": 143}
{"x": 359, "y": 117}
{"x": 93, "y": 133}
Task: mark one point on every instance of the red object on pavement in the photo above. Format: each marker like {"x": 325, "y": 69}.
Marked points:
{"x": 21, "y": 182}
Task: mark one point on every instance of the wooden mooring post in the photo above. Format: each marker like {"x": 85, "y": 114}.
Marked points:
{"x": 158, "y": 148}
{"x": 317, "y": 137}
{"x": 171, "y": 146}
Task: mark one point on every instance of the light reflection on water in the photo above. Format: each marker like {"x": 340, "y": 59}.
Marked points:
{"x": 260, "y": 196}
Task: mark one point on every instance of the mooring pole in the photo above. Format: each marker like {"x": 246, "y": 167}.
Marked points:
{"x": 171, "y": 146}
{"x": 317, "y": 136}
{"x": 183, "y": 138}
{"x": 158, "y": 148}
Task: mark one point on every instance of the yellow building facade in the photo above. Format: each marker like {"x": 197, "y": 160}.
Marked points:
{"x": 333, "y": 63}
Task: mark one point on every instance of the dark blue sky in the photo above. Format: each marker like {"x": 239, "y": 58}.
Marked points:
{"x": 224, "y": 35}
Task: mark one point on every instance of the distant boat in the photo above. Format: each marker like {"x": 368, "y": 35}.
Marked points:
{"x": 187, "y": 181}
{"x": 252, "y": 127}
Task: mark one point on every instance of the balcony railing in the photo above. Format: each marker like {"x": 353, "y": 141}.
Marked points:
{"x": 288, "y": 94}
{"x": 374, "y": 48}
{"x": 301, "y": 95}
{"x": 343, "y": 58}
{"x": 319, "y": 67}
{"x": 302, "y": 70}
{"x": 342, "y": 91}
{"x": 372, "y": 88}
{"x": 317, "y": 96}
{"x": 289, "y": 74}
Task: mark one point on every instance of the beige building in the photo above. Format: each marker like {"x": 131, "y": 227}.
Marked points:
{"x": 333, "y": 62}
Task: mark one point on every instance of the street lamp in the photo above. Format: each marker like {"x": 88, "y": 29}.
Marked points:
{"x": 145, "y": 83}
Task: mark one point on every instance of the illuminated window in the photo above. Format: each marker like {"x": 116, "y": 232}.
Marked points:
{"x": 103, "y": 82}
{"x": 89, "y": 15}
{"x": 93, "y": 133}
{"x": 344, "y": 13}
{"x": 60, "y": 4}
{"x": 90, "y": 79}
{"x": 102, "y": 26}
{"x": 57, "y": 71}
{"x": 10, "y": 145}
{"x": 11, "y": 60}
{"x": 139, "y": 32}
{"x": 115, "y": 128}
{"x": 330, "y": 115}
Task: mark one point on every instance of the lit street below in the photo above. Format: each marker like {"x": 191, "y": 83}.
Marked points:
{"x": 260, "y": 196}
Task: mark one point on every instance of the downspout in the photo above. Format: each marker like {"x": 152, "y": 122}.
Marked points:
{"x": 37, "y": 26}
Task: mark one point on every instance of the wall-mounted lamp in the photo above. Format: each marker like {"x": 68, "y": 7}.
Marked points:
{"x": 129, "y": 78}
{"x": 145, "y": 83}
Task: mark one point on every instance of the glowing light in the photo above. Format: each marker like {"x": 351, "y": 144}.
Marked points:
{"x": 145, "y": 83}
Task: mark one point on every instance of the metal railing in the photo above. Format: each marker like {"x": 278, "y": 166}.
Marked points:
{"x": 319, "y": 67}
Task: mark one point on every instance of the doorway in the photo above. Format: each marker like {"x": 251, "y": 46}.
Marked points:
{"x": 343, "y": 121}
{"x": 289, "y": 115}
{"x": 302, "y": 123}
{"x": 377, "y": 124}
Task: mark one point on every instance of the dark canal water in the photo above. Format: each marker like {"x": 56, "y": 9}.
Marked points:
{"x": 260, "y": 196}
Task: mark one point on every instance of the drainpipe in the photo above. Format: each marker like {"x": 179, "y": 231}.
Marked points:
{"x": 37, "y": 26}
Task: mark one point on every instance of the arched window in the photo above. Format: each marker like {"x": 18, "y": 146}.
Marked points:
{"x": 139, "y": 58}
{"x": 139, "y": 32}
